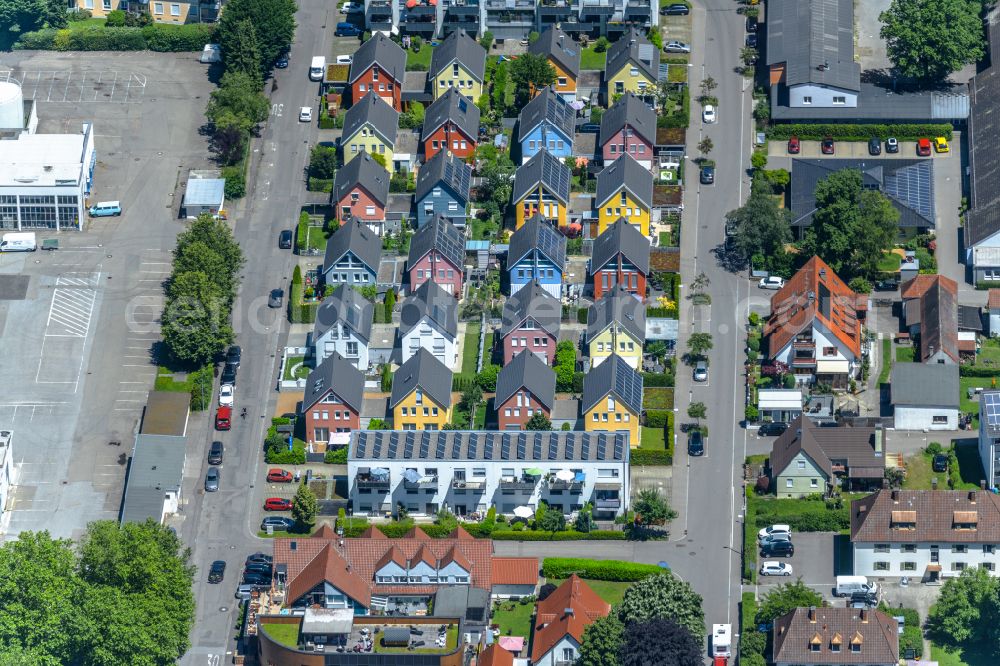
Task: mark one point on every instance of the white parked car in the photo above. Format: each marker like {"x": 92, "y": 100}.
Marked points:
{"x": 771, "y": 282}
{"x": 352, "y": 7}
{"x": 306, "y": 114}
{"x": 708, "y": 114}
{"x": 772, "y": 568}
{"x": 345, "y": 59}
{"x": 677, "y": 47}
{"x": 226, "y": 395}
{"x": 773, "y": 529}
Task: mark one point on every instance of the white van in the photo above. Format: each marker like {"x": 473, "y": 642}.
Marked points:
{"x": 848, "y": 585}
{"x": 19, "y": 242}
{"x": 317, "y": 68}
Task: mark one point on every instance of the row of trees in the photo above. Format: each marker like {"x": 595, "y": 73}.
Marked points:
{"x": 200, "y": 293}
{"x": 20, "y": 16}
{"x": 121, "y": 596}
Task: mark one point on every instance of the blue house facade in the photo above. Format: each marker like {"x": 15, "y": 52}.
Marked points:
{"x": 547, "y": 121}
{"x": 352, "y": 256}
{"x": 443, "y": 189}
{"x": 537, "y": 252}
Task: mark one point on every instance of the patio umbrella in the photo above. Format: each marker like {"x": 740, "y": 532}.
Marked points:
{"x": 565, "y": 475}
{"x": 411, "y": 475}
{"x": 380, "y": 471}
{"x": 523, "y": 512}
{"x": 533, "y": 471}
{"x": 576, "y": 105}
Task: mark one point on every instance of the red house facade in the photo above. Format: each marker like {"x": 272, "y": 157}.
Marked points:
{"x": 379, "y": 66}
{"x": 636, "y": 146}
{"x": 450, "y": 137}
{"x": 332, "y": 400}
{"x": 515, "y": 412}
{"x": 525, "y": 386}
{"x": 535, "y": 340}
{"x": 530, "y": 322}
{"x": 451, "y": 123}
{"x": 361, "y": 191}
{"x": 620, "y": 257}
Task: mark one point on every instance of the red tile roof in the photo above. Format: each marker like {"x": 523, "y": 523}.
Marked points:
{"x": 994, "y": 300}
{"x": 916, "y": 287}
{"x": 495, "y": 655}
{"x": 815, "y": 293}
{"x": 553, "y": 622}
{"x": 515, "y": 570}
{"x": 328, "y": 566}
{"x": 917, "y": 516}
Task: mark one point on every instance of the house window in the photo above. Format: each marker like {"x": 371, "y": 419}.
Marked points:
{"x": 374, "y": 73}
{"x": 614, "y": 148}
{"x": 807, "y": 100}
{"x": 107, "y": 5}
{"x": 959, "y": 548}
{"x": 907, "y": 566}
{"x": 175, "y": 10}
{"x": 881, "y": 566}
{"x": 634, "y": 71}
{"x": 881, "y": 548}
{"x": 454, "y": 69}
{"x": 452, "y": 206}
{"x": 157, "y": 7}
{"x": 908, "y": 548}
{"x": 814, "y": 647}
{"x": 814, "y": 483}
{"x": 989, "y": 549}
{"x": 562, "y": 80}
{"x": 989, "y": 566}
{"x": 789, "y": 483}
{"x": 801, "y": 464}
{"x": 939, "y": 418}
{"x": 829, "y": 351}
{"x": 370, "y": 210}
{"x": 958, "y": 566}
{"x": 352, "y": 348}
{"x": 838, "y": 99}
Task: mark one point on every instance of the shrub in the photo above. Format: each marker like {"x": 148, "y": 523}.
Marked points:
{"x": 613, "y": 570}
{"x": 236, "y": 184}
{"x": 522, "y": 534}
{"x": 657, "y": 380}
{"x": 335, "y": 456}
{"x": 115, "y": 19}
{"x": 78, "y": 15}
{"x": 601, "y": 45}
{"x": 656, "y": 418}
{"x": 651, "y": 457}
{"x": 859, "y": 131}
{"x": 155, "y": 37}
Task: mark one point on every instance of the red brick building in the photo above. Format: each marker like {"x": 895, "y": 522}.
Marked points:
{"x": 530, "y": 322}
{"x": 333, "y": 397}
{"x": 620, "y": 257}
{"x": 525, "y": 386}
{"x": 379, "y": 66}
{"x": 451, "y": 123}
{"x": 361, "y": 192}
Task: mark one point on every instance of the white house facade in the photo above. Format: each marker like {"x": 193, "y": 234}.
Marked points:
{"x": 344, "y": 340}
{"x": 814, "y": 95}
{"x": 566, "y": 651}
{"x": 811, "y": 356}
{"x": 428, "y": 334}
{"x": 468, "y": 472}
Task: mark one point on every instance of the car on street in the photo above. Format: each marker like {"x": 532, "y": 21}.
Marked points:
{"x": 215, "y": 453}
{"x": 941, "y": 145}
{"x": 590, "y": 128}
{"x": 277, "y": 504}
{"x": 234, "y": 354}
{"x": 700, "y": 373}
{"x": 676, "y": 9}
{"x": 279, "y": 476}
{"x": 827, "y": 146}
{"x": 772, "y": 539}
{"x": 751, "y": 24}
{"x": 212, "y": 480}
{"x": 707, "y": 175}
{"x": 708, "y": 114}
{"x": 673, "y": 46}
{"x": 765, "y": 532}
{"x": 774, "y": 568}
{"x": 794, "y": 146}
{"x": 352, "y": 8}
{"x": 924, "y": 147}
{"x": 696, "y": 442}
{"x": 891, "y": 145}
{"x": 226, "y": 395}
{"x": 940, "y": 463}
{"x": 259, "y": 557}
{"x": 224, "y": 418}
{"x": 276, "y": 298}
{"x": 886, "y": 285}
{"x": 281, "y": 62}
{"x": 772, "y": 429}
{"x": 258, "y": 568}
{"x": 277, "y": 522}
{"x": 217, "y": 571}
{"x": 771, "y": 282}
{"x": 256, "y": 579}
{"x": 285, "y": 239}
{"x": 229, "y": 373}
{"x": 346, "y": 30}
{"x": 874, "y": 146}
{"x": 751, "y": 40}
{"x": 778, "y": 549}
{"x": 306, "y": 114}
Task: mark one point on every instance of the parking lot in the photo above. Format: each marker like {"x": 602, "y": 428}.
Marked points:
{"x": 78, "y": 326}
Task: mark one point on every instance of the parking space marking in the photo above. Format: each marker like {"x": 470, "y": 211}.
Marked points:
{"x": 66, "y": 86}
{"x": 72, "y": 305}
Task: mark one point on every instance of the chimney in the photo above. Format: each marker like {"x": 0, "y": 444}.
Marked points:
{"x": 864, "y": 616}
{"x": 972, "y": 496}
{"x": 812, "y": 615}
{"x": 895, "y": 496}
{"x": 982, "y": 484}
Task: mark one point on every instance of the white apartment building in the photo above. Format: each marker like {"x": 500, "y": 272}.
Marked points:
{"x": 989, "y": 436}
{"x": 925, "y": 534}
{"x": 470, "y": 471}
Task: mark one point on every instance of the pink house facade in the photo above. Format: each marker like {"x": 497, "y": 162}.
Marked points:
{"x": 434, "y": 266}
{"x": 358, "y": 204}
{"x": 514, "y": 414}
{"x": 633, "y": 144}
{"x": 529, "y": 337}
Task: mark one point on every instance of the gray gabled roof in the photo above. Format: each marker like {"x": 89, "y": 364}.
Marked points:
{"x": 631, "y": 111}
{"x": 455, "y": 107}
{"x": 426, "y": 372}
{"x": 432, "y": 301}
{"x": 925, "y": 385}
{"x": 625, "y": 172}
{"x": 441, "y": 235}
{"x": 345, "y": 305}
{"x": 618, "y": 305}
{"x": 359, "y": 240}
{"x": 560, "y": 47}
{"x": 613, "y": 376}
{"x": 633, "y": 46}
{"x": 537, "y": 234}
{"x": 157, "y": 466}
{"x": 551, "y": 107}
{"x": 815, "y": 40}
{"x": 387, "y": 53}
{"x": 372, "y": 110}
{"x": 447, "y": 170}
{"x": 335, "y": 373}
{"x": 547, "y": 169}
{"x": 527, "y": 371}
{"x": 467, "y": 51}
{"x": 367, "y": 173}
{"x": 621, "y": 237}
{"x": 533, "y": 301}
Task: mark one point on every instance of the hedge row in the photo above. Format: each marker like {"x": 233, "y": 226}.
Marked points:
{"x": 156, "y": 37}
{"x": 651, "y": 457}
{"x": 568, "y": 535}
{"x": 977, "y": 371}
{"x": 859, "y": 132}
{"x": 397, "y": 530}
{"x": 803, "y": 515}
{"x": 658, "y": 379}
{"x": 613, "y": 570}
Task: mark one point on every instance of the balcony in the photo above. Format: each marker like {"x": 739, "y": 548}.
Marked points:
{"x": 566, "y": 483}
{"x": 511, "y": 5}
{"x": 375, "y": 480}
{"x": 522, "y": 483}
{"x": 475, "y": 485}
{"x": 804, "y": 343}
{"x": 413, "y": 480}
{"x": 379, "y": 16}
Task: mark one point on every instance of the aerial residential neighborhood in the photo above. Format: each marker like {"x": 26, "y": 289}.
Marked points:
{"x": 500, "y": 332}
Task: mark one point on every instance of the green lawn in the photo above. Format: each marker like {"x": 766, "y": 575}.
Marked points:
{"x": 488, "y": 347}
{"x": 652, "y": 438}
{"x": 611, "y": 591}
{"x": 965, "y": 383}
{"x": 286, "y": 634}
{"x": 483, "y": 229}
{"x": 590, "y": 59}
{"x": 657, "y": 398}
{"x": 989, "y": 355}
{"x": 904, "y": 354}
{"x": 470, "y": 352}
{"x": 421, "y": 58}
{"x": 311, "y": 237}
{"x": 513, "y": 618}
{"x": 295, "y": 368}
{"x": 970, "y": 468}
{"x": 883, "y": 376}
{"x": 889, "y": 263}
{"x": 919, "y": 474}
{"x": 165, "y": 382}
{"x": 962, "y": 658}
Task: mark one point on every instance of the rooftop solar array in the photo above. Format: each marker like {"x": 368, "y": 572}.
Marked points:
{"x": 488, "y": 446}
{"x": 991, "y": 408}
{"x": 914, "y": 187}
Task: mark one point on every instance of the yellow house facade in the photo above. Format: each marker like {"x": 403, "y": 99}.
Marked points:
{"x": 630, "y": 78}
{"x": 163, "y": 11}
{"x": 612, "y": 398}
{"x": 612, "y": 415}
{"x": 565, "y": 82}
{"x": 367, "y": 140}
{"x": 615, "y": 340}
{"x": 541, "y": 185}
{"x": 623, "y": 204}
{"x": 418, "y": 411}
{"x": 624, "y": 189}
{"x": 540, "y": 201}
{"x": 457, "y": 76}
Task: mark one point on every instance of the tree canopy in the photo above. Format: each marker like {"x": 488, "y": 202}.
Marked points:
{"x": 305, "y": 507}
{"x": 660, "y": 642}
{"x": 760, "y": 226}
{"x": 538, "y": 421}
{"x": 602, "y": 641}
{"x": 967, "y": 611}
{"x": 243, "y": 51}
{"x": 929, "y": 39}
{"x": 530, "y": 72}
{"x": 784, "y": 598}
{"x": 664, "y": 596}
{"x": 272, "y": 20}
{"x": 652, "y": 508}
{"x": 20, "y": 16}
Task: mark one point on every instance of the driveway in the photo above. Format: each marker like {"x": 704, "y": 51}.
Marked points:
{"x": 814, "y": 562}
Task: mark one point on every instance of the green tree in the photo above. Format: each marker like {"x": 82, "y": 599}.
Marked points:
{"x": 784, "y": 598}
{"x": 652, "y": 508}
{"x": 471, "y": 397}
{"x": 930, "y": 39}
{"x": 242, "y": 52}
{"x": 486, "y": 41}
{"x": 379, "y": 158}
{"x": 273, "y": 21}
{"x": 602, "y": 640}
{"x": 531, "y": 72}
{"x": 660, "y": 642}
{"x": 487, "y": 379}
{"x": 195, "y": 320}
{"x": 21, "y": 16}
{"x": 305, "y": 508}
{"x": 966, "y": 611}
{"x": 323, "y": 162}
{"x": 501, "y": 77}
{"x": 115, "y": 19}
{"x": 664, "y": 596}
{"x": 696, "y": 410}
{"x": 239, "y": 96}
{"x": 760, "y": 226}
{"x": 446, "y": 520}
{"x": 218, "y": 237}
{"x": 699, "y": 344}
{"x": 601, "y": 45}
{"x": 538, "y": 421}
{"x": 552, "y": 521}
{"x": 705, "y": 146}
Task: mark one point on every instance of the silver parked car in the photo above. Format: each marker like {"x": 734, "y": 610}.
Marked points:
{"x": 701, "y": 371}
{"x": 674, "y": 46}
{"x": 212, "y": 480}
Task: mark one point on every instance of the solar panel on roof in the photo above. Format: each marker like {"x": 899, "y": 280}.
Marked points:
{"x": 393, "y": 444}
{"x": 536, "y": 447}
{"x": 504, "y": 447}
{"x": 553, "y": 446}
{"x": 602, "y": 446}
{"x": 473, "y": 444}
{"x": 425, "y": 443}
{"x": 362, "y": 445}
{"x": 619, "y": 446}
{"x": 456, "y": 446}
{"x": 585, "y": 448}
{"x": 408, "y": 446}
{"x": 377, "y": 446}
{"x": 991, "y": 403}
{"x": 488, "y": 447}
{"x": 914, "y": 186}
{"x": 569, "y": 446}
{"x": 522, "y": 446}
{"x": 439, "y": 450}
{"x": 548, "y": 241}
{"x": 555, "y": 174}
{"x": 628, "y": 385}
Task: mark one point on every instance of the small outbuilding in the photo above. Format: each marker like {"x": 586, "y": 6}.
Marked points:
{"x": 205, "y": 193}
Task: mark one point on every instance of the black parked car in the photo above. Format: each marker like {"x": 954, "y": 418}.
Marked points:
{"x": 874, "y": 146}
{"x": 940, "y": 463}
{"x": 751, "y": 24}
{"x": 215, "y": 452}
{"x": 696, "y": 443}
{"x": 285, "y": 239}
{"x": 887, "y": 285}
{"x": 778, "y": 549}
{"x": 772, "y": 429}
{"x": 217, "y": 572}
{"x": 229, "y": 374}
{"x": 751, "y": 40}
{"x": 234, "y": 355}
{"x": 676, "y": 9}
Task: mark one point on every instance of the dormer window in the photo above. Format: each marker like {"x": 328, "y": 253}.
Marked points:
{"x": 903, "y": 520}
{"x": 815, "y": 643}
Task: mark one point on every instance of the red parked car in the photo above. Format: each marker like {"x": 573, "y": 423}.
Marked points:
{"x": 277, "y": 504}
{"x": 793, "y": 146}
{"x": 279, "y": 476}
{"x": 924, "y": 147}
{"x": 223, "y": 418}
{"x": 827, "y": 146}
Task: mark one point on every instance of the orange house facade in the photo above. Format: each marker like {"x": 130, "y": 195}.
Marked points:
{"x": 449, "y": 137}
